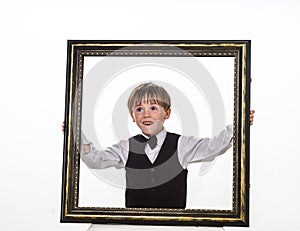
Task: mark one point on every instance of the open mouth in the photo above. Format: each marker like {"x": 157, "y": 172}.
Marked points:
{"x": 147, "y": 123}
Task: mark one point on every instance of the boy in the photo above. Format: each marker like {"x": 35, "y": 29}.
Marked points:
{"x": 155, "y": 161}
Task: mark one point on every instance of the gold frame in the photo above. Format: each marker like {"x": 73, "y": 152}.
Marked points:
{"x": 239, "y": 215}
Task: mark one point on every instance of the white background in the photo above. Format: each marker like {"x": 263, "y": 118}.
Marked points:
{"x": 33, "y": 61}
{"x": 209, "y": 184}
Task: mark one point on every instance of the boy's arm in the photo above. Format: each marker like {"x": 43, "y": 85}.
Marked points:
{"x": 114, "y": 156}
{"x": 191, "y": 149}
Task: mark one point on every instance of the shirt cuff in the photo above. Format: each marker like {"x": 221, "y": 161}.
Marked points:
{"x": 229, "y": 131}
{"x": 85, "y": 141}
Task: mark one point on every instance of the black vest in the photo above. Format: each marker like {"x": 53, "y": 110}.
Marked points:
{"x": 158, "y": 185}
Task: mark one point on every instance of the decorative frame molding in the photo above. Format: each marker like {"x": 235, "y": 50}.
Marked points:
{"x": 77, "y": 51}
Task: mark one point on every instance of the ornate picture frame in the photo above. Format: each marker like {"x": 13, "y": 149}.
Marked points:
{"x": 96, "y": 68}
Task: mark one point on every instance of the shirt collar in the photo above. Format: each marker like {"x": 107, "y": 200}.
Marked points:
{"x": 161, "y": 136}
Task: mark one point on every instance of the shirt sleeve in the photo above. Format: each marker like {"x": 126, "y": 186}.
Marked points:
{"x": 191, "y": 149}
{"x": 114, "y": 156}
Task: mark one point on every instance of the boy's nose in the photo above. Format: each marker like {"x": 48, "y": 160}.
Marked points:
{"x": 146, "y": 113}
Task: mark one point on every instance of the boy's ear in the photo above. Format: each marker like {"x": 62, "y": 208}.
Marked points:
{"x": 132, "y": 117}
{"x": 168, "y": 112}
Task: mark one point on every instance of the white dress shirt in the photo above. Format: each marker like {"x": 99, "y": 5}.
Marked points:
{"x": 189, "y": 150}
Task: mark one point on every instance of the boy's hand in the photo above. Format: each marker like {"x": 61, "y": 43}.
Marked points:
{"x": 63, "y": 127}
{"x": 252, "y": 116}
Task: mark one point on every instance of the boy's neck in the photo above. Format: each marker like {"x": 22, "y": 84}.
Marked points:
{"x": 148, "y": 136}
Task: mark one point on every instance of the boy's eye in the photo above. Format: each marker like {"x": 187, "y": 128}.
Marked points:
{"x": 139, "y": 109}
{"x": 153, "y": 108}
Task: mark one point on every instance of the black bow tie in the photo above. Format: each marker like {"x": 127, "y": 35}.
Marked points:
{"x": 152, "y": 141}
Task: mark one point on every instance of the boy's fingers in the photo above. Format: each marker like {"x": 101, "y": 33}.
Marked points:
{"x": 251, "y": 116}
{"x": 63, "y": 127}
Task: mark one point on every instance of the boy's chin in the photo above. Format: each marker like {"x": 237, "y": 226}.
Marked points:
{"x": 151, "y": 132}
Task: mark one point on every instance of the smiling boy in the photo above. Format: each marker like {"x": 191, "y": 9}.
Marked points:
{"x": 155, "y": 161}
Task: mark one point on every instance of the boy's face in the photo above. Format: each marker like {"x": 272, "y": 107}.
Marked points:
{"x": 150, "y": 117}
